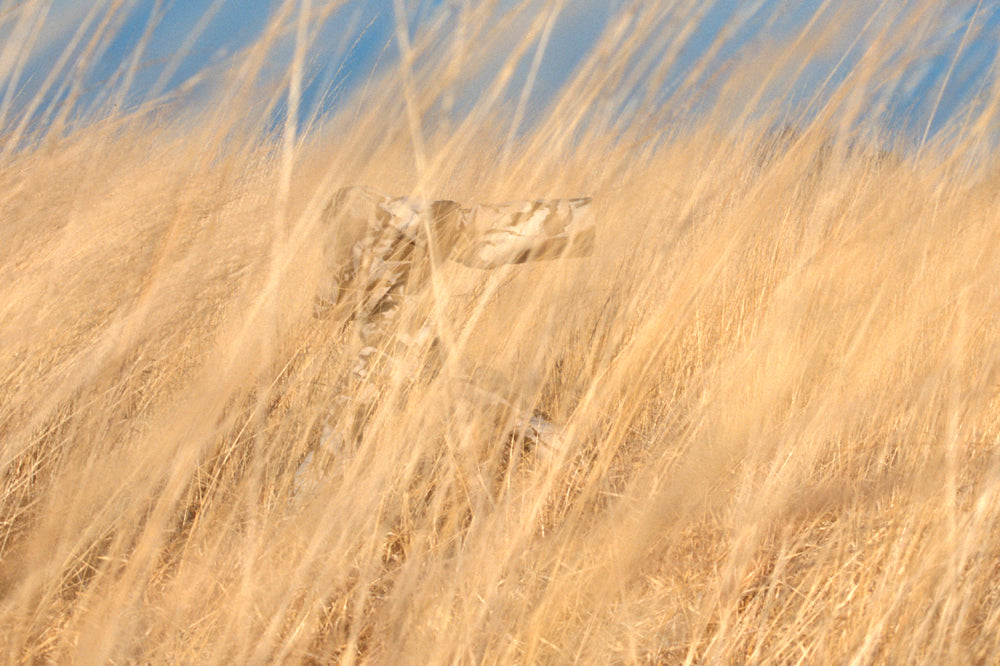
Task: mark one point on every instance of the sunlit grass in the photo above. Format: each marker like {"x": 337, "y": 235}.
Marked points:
{"x": 777, "y": 375}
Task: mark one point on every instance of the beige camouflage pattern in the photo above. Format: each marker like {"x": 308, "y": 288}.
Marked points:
{"x": 380, "y": 249}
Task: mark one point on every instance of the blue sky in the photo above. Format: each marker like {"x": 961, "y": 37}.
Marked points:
{"x": 950, "y": 63}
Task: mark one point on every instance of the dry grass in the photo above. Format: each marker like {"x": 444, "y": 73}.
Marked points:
{"x": 778, "y": 373}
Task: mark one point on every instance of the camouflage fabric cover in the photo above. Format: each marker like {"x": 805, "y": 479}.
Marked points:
{"x": 380, "y": 249}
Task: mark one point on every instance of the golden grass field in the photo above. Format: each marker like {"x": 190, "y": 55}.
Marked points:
{"x": 778, "y": 375}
